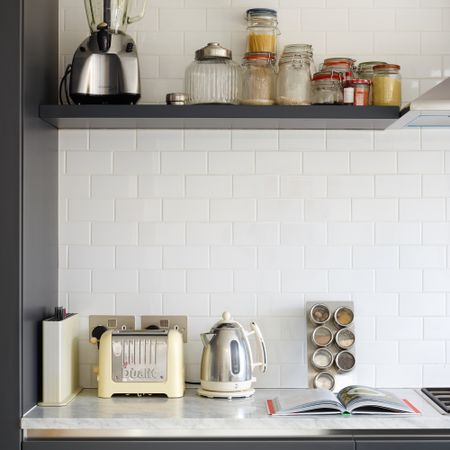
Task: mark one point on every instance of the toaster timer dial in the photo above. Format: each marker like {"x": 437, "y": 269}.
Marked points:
{"x": 139, "y": 358}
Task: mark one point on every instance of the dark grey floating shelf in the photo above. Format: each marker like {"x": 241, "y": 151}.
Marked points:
{"x": 337, "y": 117}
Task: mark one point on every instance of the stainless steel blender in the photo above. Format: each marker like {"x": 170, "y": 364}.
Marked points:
{"x": 105, "y": 67}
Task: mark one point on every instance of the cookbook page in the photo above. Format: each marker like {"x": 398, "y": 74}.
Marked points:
{"x": 368, "y": 400}
{"x": 308, "y": 400}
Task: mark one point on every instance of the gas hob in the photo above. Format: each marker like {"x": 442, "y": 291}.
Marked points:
{"x": 440, "y": 396}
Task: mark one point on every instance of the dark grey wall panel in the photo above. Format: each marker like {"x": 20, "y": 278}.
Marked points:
{"x": 10, "y": 262}
{"x": 267, "y": 444}
{"x": 40, "y": 185}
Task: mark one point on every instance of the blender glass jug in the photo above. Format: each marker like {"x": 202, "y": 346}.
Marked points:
{"x": 113, "y": 13}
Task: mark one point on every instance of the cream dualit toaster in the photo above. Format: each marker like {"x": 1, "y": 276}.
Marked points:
{"x": 141, "y": 362}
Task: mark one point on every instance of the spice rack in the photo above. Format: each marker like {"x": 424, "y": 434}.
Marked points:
{"x": 276, "y": 117}
{"x": 323, "y": 345}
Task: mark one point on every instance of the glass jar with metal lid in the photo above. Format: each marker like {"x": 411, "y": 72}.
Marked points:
{"x": 213, "y": 77}
{"x": 327, "y": 88}
{"x": 387, "y": 85}
{"x": 365, "y": 72}
{"x": 258, "y": 79}
{"x": 262, "y": 30}
{"x": 294, "y": 75}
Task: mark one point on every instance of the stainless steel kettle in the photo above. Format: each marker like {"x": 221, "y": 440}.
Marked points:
{"x": 227, "y": 362}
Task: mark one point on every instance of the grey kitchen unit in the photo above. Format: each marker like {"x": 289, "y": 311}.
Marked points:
{"x": 29, "y": 174}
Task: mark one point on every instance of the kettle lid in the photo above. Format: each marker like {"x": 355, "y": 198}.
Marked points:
{"x": 226, "y": 322}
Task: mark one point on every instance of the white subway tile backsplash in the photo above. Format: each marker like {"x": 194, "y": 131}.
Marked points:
{"x": 325, "y": 163}
{"x": 278, "y": 163}
{"x": 138, "y": 210}
{"x": 185, "y": 210}
{"x": 113, "y": 186}
{"x": 257, "y": 222}
{"x": 114, "y": 233}
{"x": 81, "y": 210}
{"x": 232, "y": 210}
{"x": 207, "y": 233}
{"x": 112, "y": 140}
{"x": 136, "y": 163}
{"x": 88, "y": 163}
{"x": 208, "y": 186}
{"x": 138, "y": 257}
{"x": 233, "y": 257}
{"x": 146, "y": 304}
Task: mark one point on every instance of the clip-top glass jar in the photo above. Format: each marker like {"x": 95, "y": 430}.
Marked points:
{"x": 365, "y": 72}
{"x": 327, "y": 88}
{"x": 387, "y": 85}
{"x": 258, "y": 79}
{"x": 294, "y": 75}
{"x": 342, "y": 65}
{"x": 213, "y": 77}
{"x": 262, "y": 30}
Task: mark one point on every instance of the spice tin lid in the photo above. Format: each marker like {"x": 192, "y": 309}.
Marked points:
{"x": 261, "y": 12}
{"x": 343, "y": 316}
{"x": 386, "y": 66}
{"x": 322, "y": 336}
{"x": 259, "y": 55}
{"x": 319, "y": 313}
{"x": 322, "y": 359}
{"x": 324, "y": 380}
{"x": 212, "y": 51}
{"x": 360, "y": 81}
{"x": 176, "y": 98}
{"x": 345, "y": 361}
{"x": 345, "y": 338}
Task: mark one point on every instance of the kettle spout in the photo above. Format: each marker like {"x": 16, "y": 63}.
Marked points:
{"x": 204, "y": 339}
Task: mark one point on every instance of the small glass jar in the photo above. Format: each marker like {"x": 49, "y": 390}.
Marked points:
{"x": 387, "y": 85}
{"x": 327, "y": 89}
{"x": 258, "y": 79}
{"x": 361, "y": 91}
{"x": 365, "y": 72}
{"x": 213, "y": 77}
{"x": 294, "y": 75}
{"x": 262, "y": 30}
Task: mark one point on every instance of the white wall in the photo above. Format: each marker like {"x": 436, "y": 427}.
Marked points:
{"x": 258, "y": 222}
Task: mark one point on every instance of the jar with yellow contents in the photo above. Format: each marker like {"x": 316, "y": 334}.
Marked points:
{"x": 387, "y": 85}
{"x": 262, "y": 30}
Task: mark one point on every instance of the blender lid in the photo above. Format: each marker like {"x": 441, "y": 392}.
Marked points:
{"x": 212, "y": 51}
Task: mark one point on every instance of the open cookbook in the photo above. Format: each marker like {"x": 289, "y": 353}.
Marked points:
{"x": 349, "y": 400}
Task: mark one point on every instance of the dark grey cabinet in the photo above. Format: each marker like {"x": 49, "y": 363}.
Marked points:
{"x": 267, "y": 444}
{"x": 403, "y": 444}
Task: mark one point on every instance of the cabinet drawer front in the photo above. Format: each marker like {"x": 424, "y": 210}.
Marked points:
{"x": 309, "y": 444}
{"x": 404, "y": 444}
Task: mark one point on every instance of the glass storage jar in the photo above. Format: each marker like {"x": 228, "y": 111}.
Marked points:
{"x": 294, "y": 75}
{"x": 342, "y": 65}
{"x": 361, "y": 91}
{"x": 387, "y": 85}
{"x": 258, "y": 79}
{"x": 327, "y": 88}
{"x": 262, "y": 30}
{"x": 365, "y": 71}
{"x": 213, "y": 77}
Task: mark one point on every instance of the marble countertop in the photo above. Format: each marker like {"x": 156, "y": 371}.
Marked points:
{"x": 194, "y": 416}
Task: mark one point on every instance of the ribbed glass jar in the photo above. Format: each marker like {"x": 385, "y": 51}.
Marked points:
{"x": 213, "y": 77}
{"x": 258, "y": 79}
{"x": 294, "y": 75}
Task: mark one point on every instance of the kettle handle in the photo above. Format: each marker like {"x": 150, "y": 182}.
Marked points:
{"x": 204, "y": 339}
{"x": 140, "y": 15}
{"x": 262, "y": 347}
